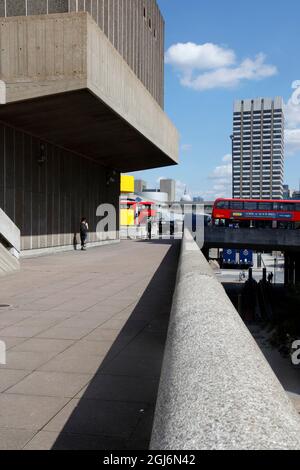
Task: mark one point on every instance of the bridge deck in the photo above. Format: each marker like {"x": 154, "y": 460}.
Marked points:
{"x": 256, "y": 239}
{"x": 85, "y": 335}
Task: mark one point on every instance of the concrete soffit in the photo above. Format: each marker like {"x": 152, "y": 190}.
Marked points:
{"x": 44, "y": 56}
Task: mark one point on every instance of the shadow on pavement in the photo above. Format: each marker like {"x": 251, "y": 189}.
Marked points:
{"x": 116, "y": 410}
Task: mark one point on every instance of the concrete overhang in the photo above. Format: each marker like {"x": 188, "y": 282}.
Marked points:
{"x": 64, "y": 82}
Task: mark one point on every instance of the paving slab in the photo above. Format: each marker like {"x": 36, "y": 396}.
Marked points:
{"x": 10, "y": 377}
{"x": 28, "y": 412}
{"x": 97, "y": 417}
{"x": 15, "y": 439}
{"x": 85, "y": 338}
{"x": 45, "y": 440}
{"x": 51, "y": 384}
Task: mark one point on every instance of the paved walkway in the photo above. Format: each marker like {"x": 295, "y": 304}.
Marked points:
{"x": 85, "y": 334}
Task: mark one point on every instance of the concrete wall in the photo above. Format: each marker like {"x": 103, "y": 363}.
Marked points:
{"x": 138, "y": 38}
{"x": 46, "y": 55}
{"x": 128, "y": 99}
{"x": 46, "y": 200}
{"x": 216, "y": 391}
{"x": 252, "y": 238}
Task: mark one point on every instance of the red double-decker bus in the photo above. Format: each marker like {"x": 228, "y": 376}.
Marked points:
{"x": 257, "y": 213}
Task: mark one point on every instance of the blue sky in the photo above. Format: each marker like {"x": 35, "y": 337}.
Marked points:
{"x": 213, "y": 57}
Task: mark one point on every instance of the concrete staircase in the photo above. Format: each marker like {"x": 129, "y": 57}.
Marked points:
{"x": 9, "y": 245}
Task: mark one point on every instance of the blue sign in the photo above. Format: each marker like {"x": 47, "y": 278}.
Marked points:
{"x": 229, "y": 256}
{"x": 263, "y": 215}
{"x": 246, "y": 257}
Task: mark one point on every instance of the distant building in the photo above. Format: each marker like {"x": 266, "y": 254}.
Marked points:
{"x": 139, "y": 186}
{"x": 156, "y": 196}
{"x": 296, "y": 195}
{"x": 168, "y": 186}
{"x": 198, "y": 199}
{"x": 286, "y": 192}
{"x": 258, "y": 149}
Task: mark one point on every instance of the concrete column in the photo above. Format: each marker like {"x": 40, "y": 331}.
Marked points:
{"x": 289, "y": 268}
{"x": 297, "y": 268}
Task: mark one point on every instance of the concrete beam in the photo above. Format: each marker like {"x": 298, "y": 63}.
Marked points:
{"x": 216, "y": 391}
{"x": 256, "y": 239}
{"x": 66, "y": 83}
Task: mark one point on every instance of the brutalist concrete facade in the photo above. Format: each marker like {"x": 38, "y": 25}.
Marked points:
{"x": 45, "y": 190}
{"x": 134, "y": 27}
{"x": 72, "y": 114}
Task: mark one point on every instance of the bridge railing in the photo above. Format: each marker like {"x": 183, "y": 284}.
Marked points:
{"x": 216, "y": 391}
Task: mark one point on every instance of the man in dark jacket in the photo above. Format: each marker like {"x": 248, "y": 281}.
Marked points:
{"x": 83, "y": 232}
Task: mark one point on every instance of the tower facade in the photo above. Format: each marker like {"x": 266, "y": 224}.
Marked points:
{"x": 258, "y": 149}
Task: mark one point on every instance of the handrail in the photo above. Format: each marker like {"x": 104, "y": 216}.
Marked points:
{"x": 10, "y": 233}
{"x": 217, "y": 390}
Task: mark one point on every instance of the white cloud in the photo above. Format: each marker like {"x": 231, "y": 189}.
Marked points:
{"x": 292, "y": 118}
{"x": 209, "y": 66}
{"x": 190, "y": 56}
{"x": 292, "y": 140}
{"x": 221, "y": 180}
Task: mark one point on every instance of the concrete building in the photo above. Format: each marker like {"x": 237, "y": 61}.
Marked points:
{"x": 296, "y": 195}
{"x": 139, "y": 186}
{"x": 156, "y": 196}
{"x": 81, "y": 100}
{"x": 168, "y": 186}
{"x": 286, "y": 192}
{"x": 258, "y": 148}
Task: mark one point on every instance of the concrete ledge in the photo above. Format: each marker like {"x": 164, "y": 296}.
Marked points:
{"x": 216, "y": 390}
{"x": 59, "y": 249}
{"x": 10, "y": 232}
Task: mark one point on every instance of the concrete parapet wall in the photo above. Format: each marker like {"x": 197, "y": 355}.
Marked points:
{"x": 217, "y": 391}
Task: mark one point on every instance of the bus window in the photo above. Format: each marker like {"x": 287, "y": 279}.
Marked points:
{"x": 223, "y": 205}
{"x": 265, "y": 206}
{"x": 237, "y": 205}
{"x": 250, "y": 206}
{"x": 297, "y": 207}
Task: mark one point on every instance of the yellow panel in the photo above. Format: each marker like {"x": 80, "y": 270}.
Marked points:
{"x": 127, "y": 217}
{"x": 127, "y": 184}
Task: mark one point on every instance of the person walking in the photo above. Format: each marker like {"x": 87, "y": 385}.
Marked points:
{"x": 83, "y": 232}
